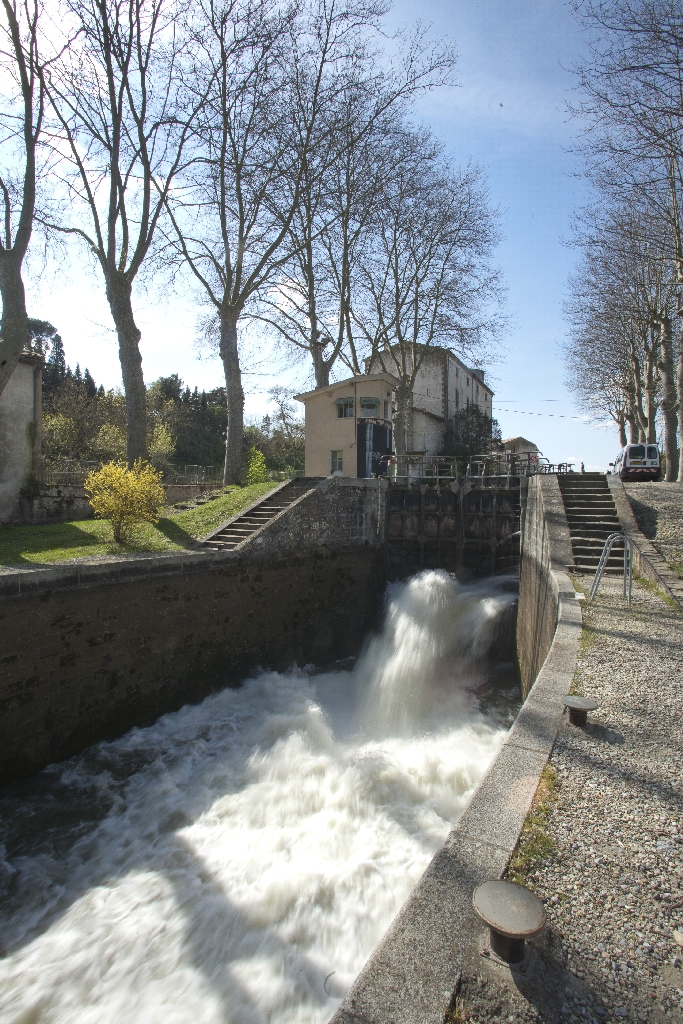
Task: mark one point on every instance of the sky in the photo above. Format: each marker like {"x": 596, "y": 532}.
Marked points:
{"x": 508, "y": 115}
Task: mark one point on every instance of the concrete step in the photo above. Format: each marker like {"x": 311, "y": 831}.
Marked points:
{"x": 595, "y": 516}
{"x": 587, "y": 495}
{"x": 594, "y": 555}
{"x": 597, "y": 541}
{"x": 592, "y": 514}
{"x": 589, "y": 570}
{"x": 590, "y": 487}
{"x": 584, "y": 524}
{"x": 582, "y": 503}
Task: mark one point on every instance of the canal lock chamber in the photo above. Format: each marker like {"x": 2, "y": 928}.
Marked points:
{"x": 241, "y": 858}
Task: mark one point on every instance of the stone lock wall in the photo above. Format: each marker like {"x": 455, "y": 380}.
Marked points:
{"x": 546, "y": 552}
{"x": 90, "y": 651}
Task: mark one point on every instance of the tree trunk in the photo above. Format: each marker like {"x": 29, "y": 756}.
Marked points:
{"x": 650, "y": 391}
{"x": 669, "y": 399}
{"x": 637, "y": 403}
{"x": 403, "y": 398}
{"x": 621, "y": 422}
{"x": 632, "y": 430}
{"x": 320, "y": 365}
{"x": 119, "y": 296}
{"x": 679, "y": 386}
{"x": 14, "y": 318}
{"x": 234, "y": 440}
{"x": 631, "y": 415}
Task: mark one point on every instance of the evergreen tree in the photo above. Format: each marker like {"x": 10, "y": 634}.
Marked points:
{"x": 54, "y": 371}
{"x": 471, "y": 432}
{"x": 89, "y": 384}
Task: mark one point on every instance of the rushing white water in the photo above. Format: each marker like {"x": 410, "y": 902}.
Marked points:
{"x": 239, "y": 860}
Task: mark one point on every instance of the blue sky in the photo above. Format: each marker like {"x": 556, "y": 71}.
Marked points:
{"x": 507, "y": 115}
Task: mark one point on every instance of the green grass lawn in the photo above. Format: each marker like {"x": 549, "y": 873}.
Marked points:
{"x": 56, "y": 542}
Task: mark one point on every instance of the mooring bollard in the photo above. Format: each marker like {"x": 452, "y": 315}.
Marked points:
{"x": 578, "y": 708}
{"x": 513, "y": 915}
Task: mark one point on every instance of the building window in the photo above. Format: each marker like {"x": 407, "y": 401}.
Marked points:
{"x": 369, "y": 407}
{"x": 457, "y": 399}
{"x": 387, "y": 410}
{"x": 468, "y": 382}
{"x": 344, "y": 408}
{"x": 336, "y": 462}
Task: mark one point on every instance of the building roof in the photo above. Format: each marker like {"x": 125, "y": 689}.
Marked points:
{"x": 387, "y": 378}
{"x": 516, "y": 442}
{"x": 479, "y": 374}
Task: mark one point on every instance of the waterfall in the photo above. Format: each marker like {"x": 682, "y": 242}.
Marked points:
{"x": 435, "y": 633}
{"x": 239, "y": 860}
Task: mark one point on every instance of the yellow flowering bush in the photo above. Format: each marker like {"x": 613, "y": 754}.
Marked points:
{"x": 125, "y": 496}
{"x": 257, "y": 471}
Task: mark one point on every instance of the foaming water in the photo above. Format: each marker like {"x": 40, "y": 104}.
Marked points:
{"x": 239, "y": 860}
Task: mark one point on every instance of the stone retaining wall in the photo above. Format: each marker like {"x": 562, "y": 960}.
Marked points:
{"x": 338, "y": 514}
{"x": 59, "y": 503}
{"x": 547, "y": 551}
{"x": 647, "y": 562}
{"x": 91, "y": 649}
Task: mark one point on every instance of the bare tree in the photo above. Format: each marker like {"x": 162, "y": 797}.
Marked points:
{"x": 632, "y": 103}
{"x": 277, "y": 73}
{"x": 21, "y": 121}
{"x": 310, "y": 307}
{"x": 622, "y": 301}
{"x": 121, "y": 119}
{"x": 427, "y": 278}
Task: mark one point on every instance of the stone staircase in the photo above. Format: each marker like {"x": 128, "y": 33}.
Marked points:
{"x": 239, "y": 529}
{"x": 592, "y": 517}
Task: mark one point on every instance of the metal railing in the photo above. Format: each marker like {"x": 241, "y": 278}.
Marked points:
{"x": 72, "y": 473}
{"x": 69, "y": 473}
{"x": 629, "y": 549}
{"x": 185, "y": 474}
{"x": 513, "y": 464}
{"x": 427, "y": 468}
{"x": 434, "y": 468}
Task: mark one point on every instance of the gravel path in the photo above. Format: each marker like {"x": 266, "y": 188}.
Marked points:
{"x": 613, "y": 887}
{"x": 658, "y": 509}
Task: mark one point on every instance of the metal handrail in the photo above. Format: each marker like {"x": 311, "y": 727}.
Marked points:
{"x": 629, "y": 548}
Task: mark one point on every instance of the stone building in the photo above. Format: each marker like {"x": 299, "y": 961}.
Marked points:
{"x": 443, "y": 385}
{"x": 20, "y": 434}
{"x": 348, "y": 425}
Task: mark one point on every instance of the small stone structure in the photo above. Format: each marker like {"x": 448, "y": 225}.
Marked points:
{"x": 20, "y": 435}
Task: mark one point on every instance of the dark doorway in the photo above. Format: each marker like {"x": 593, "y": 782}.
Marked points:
{"x": 373, "y": 441}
